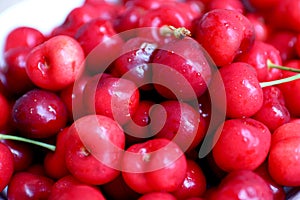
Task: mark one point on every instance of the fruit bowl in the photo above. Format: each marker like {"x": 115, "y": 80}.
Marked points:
{"x": 156, "y": 99}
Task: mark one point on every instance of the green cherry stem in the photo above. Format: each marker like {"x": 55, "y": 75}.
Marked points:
{"x": 272, "y": 65}
{"x": 280, "y": 81}
{"x": 21, "y": 139}
{"x": 179, "y": 33}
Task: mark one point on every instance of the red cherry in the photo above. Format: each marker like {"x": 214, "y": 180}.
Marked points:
{"x": 261, "y": 28}
{"x": 260, "y": 54}
{"x": 5, "y": 111}
{"x": 235, "y": 5}
{"x": 79, "y": 192}
{"x": 56, "y": 63}
{"x": 157, "y": 195}
{"x": 194, "y": 184}
{"x": 6, "y": 165}
{"x": 266, "y": 4}
{"x": 273, "y": 113}
{"x": 62, "y": 185}
{"x": 23, "y": 36}
{"x": 283, "y": 156}
{"x": 224, "y": 34}
{"x": 16, "y": 70}
{"x": 94, "y": 149}
{"x": 25, "y": 185}
{"x": 116, "y": 98}
{"x": 241, "y": 144}
{"x": 155, "y": 165}
{"x": 181, "y": 69}
{"x": 243, "y": 184}
{"x": 39, "y": 114}
{"x": 148, "y": 5}
{"x": 183, "y": 124}
{"x": 244, "y": 96}
{"x": 54, "y": 162}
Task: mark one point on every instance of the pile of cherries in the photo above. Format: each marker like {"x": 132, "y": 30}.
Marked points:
{"x": 154, "y": 99}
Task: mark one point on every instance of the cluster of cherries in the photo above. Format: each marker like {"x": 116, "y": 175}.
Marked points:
{"x": 154, "y": 99}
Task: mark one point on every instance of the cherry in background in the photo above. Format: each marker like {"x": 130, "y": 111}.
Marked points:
{"x": 6, "y": 166}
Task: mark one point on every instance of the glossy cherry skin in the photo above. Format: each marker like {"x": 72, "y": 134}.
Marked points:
{"x": 258, "y": 57}
{"x": 284, "y": 153}
{"x": 134, "y": 62}
{"x": 155, "y": 165}
{"x": 56, "y": 63}
{"x": 267, "y": 4}
{"x": 54, "y": 162}
{"x": 148, "y": 5}
{"x": 285, "y": 42}
{"x": 181, "y": 70}
{"x": 124, "y": 191}
{"x": 39, "y": 114}
{"x": 290, "y": 89}
{"x": 116, "y": 98}
{"x": 228, "y": 4}
{"x": 16, "y": 70}
{"x": 62, "y": 185}
{"x": 243, "y": 184}
{"x": 157, "y": 195}
{"x": 277, "y": 189}
{"x": 194, "y": 184}
{"x": 23, "y": 36}
{"x": 273, "y": 113}
{"x": 25, "y": 185}
{"x": 22, "y": 152}
{"x": 6, "y": 165}
{"x": 5, "y": 111}
{"x": 224, "y": 34}
{"x": 262, "y": 30}
{"x": 94, "y": 149}
{"x": 244, "y": 96}
{"x": 241, "y": 144}
{"x": 183, "y": 125}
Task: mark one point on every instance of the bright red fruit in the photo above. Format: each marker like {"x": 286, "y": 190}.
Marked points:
{"x": 94, "y": 149}
{"x": 241, "y": 144}
{"x": 25, "y": 186}
{"x": 224, "y": 34}
{"x": 6, "y": 166}
{"x": 183, "y": 125}
{"x": 284, "y": 154}
{"x": 244, "y": 96}
{"x": 117, "y": 98}
{"x": 181, "y": 69}
{"x": 79, "y": 192}
{"x": 235, "y": 5}
{"x": 157, "y": 195}
{"x": 39, "y": 114}
{"x": 243, "y": 184}
{"x": 56, "y": 63}
{"x": 262, "y": 30}
{"x": 23, "y": 36}
{"x": 260, "y": 54}
{"x": 155, "y": 165}
{"x": 5, "y": 111}
{"x": 194, "y": 184}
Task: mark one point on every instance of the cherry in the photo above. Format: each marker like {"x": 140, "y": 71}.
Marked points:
{"x": 273, "y": 113}
{"x": 56, "y": 63}
{"x": 39, "y": 114}
{"x": 266, "y": 4}
{"x": 23, "y": 37}
{"x": 54, "y": 162}
{"x": 134, "y": 63}
{"x": 116, "y": 98}
{"x": 23, "y": 154}
{"x": 183, "y": 124}
{"x": 194, "y": 184}
{"x": 297, "y": 45}
{"x": 244, "y": 95}
{"x": 283, "y": 155}
{"x": 241, "y": 144}
{"x": 285, "y": 42}
{"x": 157, "y": 195}
{"x": 235, "y": 5}
{"x": 260, "y": 54}
{"x": 62, "y": 185}
{"x": 181, "y": 69}
{"x": 16, "y": 70}
{"x": 25, "y": 185}
{"x": 147, "y": 5}
{"x": 6, "y": 165}
{"x": 224, "y": 34}
{"x": 5, "y": 111}
{"x": 153, "y": 166}
{"x": 261, "y": 29}
{"x": 243, "y": 184}
{"x": 94, "y": 149}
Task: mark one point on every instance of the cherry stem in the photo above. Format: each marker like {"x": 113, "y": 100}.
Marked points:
{"x": 21, "y": 139}
{"x": 272, "y": 65}
{"x": 179, "y": 33}
{"x": 280, "y": 81}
